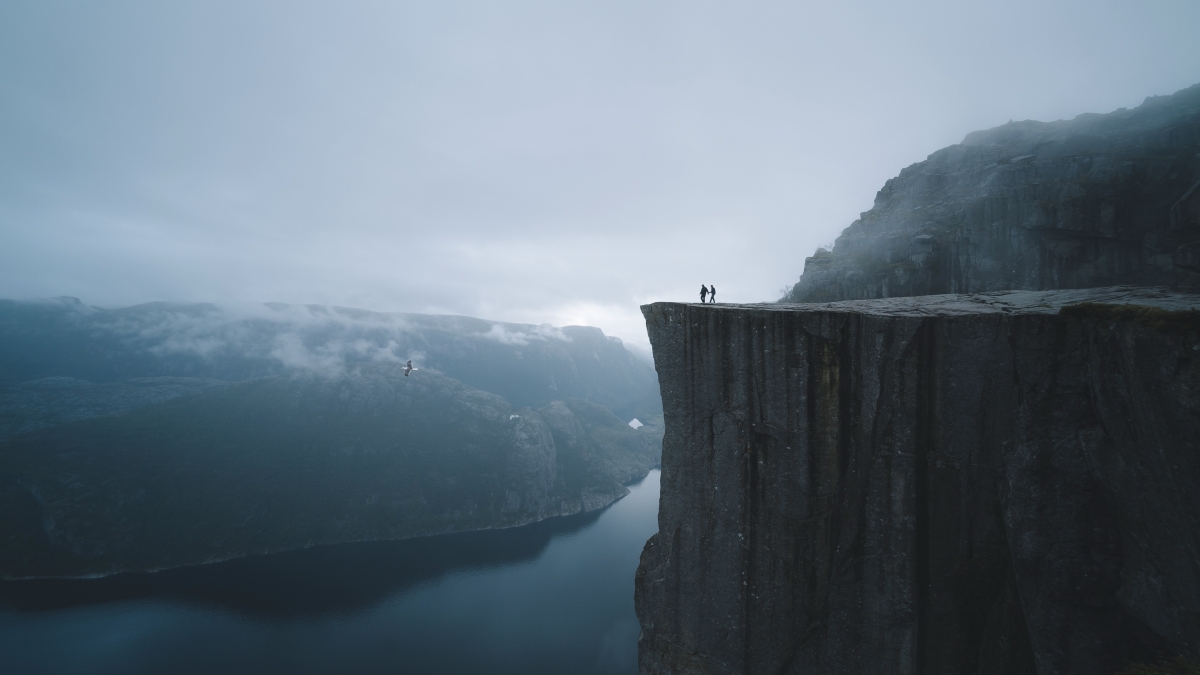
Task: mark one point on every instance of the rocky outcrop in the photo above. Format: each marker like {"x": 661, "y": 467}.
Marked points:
{"x": 992, "y": 483}
{"x": 1094, "y": 201}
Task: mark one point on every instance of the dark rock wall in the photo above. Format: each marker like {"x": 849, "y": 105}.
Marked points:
{"x": 925, "y": 485}
{"x": 1094, "y": 201}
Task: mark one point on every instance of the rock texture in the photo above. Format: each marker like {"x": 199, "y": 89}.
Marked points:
{"x": 992, "y": 483}
{"x": 1094, "y": 201}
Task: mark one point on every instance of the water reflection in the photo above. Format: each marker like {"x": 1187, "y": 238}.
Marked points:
{"x": 312, "y": 581}
{"x": 554, "y": 597}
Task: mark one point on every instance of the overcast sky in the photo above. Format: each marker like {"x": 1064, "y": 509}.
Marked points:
{"x": 558, "y": 162}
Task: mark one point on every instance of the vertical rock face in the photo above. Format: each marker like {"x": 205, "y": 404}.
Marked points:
{"x": 531, "y": 465}
{"x": 1094, "y": 201}
{"x": 944, "y": 484}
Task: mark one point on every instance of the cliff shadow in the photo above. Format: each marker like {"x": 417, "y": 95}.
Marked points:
{"x": 318, "y": 580}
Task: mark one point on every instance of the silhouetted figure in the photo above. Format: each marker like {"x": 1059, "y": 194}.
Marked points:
{"x": 703, "y": 293}
{"x": 712, "y": 294}
{"x": 408, "y": 369}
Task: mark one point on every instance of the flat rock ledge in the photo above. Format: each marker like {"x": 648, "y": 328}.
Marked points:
{"x": 994, "y": 483}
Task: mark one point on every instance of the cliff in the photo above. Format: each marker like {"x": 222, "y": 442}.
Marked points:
{"x": 1093, "y": 201}
{"x": 992, "y": 483}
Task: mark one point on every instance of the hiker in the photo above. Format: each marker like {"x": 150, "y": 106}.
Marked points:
{"x": 703, "y": 293}
{"x": 712, "y": 294}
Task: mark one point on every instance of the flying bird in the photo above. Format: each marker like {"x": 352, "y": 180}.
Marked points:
{"x": 408, "y": 369}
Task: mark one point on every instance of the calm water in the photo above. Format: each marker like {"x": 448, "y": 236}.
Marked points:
{"x": 555, "y": 597}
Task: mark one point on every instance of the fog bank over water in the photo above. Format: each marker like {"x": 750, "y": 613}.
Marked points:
{"x": 530, "y": 162}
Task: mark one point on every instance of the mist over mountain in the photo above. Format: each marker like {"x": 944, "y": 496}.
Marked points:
{"x": 527, "y": 364}
{"x": 164, "y": 434}
{"x": 1092, "y": 201}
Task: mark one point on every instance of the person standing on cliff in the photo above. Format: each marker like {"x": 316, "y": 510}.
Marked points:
{"x": 703, "y": 293}
{"x": 712, "y": 294}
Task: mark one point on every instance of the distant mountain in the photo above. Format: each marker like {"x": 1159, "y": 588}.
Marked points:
{"x": 526, "y": 364}
{"x": 165, "y": 435}
{"x": 51, "y": 401}
{"x": 1098, "y": 200}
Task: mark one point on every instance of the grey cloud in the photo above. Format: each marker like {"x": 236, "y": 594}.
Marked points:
{"x": 506, "y": 336}
{"x": 314, "y": 338}
{"x": 317, "y": 338}
{"x": 540, "y": 162}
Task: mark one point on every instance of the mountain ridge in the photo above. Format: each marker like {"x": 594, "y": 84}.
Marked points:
{"x": 203, "y": 435}
{"x": 1098, "y": 200}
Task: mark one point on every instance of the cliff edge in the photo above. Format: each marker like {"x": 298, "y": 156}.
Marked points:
{"x": 992, "y": 483}
{"x": 1098, "y": 200}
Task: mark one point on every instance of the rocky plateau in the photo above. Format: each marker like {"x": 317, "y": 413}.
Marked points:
{"x": 999, "y": 483}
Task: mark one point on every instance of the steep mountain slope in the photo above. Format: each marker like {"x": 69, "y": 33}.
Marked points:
{"x": 294, "y": 460}
{"x": 164, "y": 434}
{"x": 1093, "y": 201}
{"x": 50, "y": 401}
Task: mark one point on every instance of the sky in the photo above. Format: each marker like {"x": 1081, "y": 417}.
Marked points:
{"x": 537, "y": 162}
